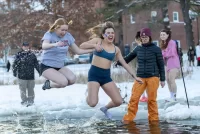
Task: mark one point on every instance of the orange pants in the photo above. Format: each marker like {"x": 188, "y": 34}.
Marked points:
{"x": 151, "y": 84}
{"x": 133, "y": 128}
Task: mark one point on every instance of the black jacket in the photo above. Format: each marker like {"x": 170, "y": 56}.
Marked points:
{"x": 191, "y": 54}
{"x": 8, "y": 66}
{"x": 150, "y": 61}
{"x": 24, "y": 64}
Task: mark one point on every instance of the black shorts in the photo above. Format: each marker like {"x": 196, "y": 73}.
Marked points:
{"x": 44, "y": 67}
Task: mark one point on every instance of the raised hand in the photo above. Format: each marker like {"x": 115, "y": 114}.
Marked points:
{"x": 98, "y": 47}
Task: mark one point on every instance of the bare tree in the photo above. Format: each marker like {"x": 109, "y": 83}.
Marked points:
{"x": 22, "y": 20}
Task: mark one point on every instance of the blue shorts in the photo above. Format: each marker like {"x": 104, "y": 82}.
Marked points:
{"x": 100, "y": 75}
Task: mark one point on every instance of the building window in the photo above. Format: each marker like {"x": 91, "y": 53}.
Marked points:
{"x": 156, "y": 42}
{"x": 132, "y": 18}
{"x": 175, "y": 17}
{"x": 63, "y": 3}
{"x": 153, "y": 16}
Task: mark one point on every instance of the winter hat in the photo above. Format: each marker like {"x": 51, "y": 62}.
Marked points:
{"x": 25, "y": 44}
{"x": 145, "y": 32}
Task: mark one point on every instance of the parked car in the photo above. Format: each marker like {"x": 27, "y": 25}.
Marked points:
{"x": 84, "y": 58}
{"x": 69, "y": 60}
{"x": 2, "y": 64}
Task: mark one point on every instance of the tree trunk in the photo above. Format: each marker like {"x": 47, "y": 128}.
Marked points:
{"x": 165, "y": 16}
{"x": 188, "y": 26}
{"x": 121, "y": 37}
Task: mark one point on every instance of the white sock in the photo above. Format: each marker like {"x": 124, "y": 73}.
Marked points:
{"x": 171, "y": 95}
{"x": 105, "y": 111}
{"x": 143, "y": 95}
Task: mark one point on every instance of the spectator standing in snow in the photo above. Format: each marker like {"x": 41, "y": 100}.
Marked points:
{"x": 172, "y": 62}
{"x": 191, "y": 54}
{"x": 8, "y": 66}
{"x": 23, "y": 68}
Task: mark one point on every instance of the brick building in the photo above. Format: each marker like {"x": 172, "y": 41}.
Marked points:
{"x": 134, "y": 22}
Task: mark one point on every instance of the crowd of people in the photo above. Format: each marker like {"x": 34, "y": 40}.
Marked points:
{"x": 153, "y": 65}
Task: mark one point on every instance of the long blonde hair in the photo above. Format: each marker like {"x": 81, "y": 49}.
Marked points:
{"x": 98, "y": 30}
{"x": 57, "y": 24}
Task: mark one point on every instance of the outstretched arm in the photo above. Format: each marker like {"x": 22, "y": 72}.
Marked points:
{"x": 78, "y": 50}
{"x": 129, "y": 57}
{"x": 94, "y": 43}
{"x": 125, "y": 65}
{"x": 91, "y": 43}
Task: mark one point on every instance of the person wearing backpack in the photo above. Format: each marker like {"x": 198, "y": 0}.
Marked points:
{"x": 179, "y": 52}
{"x": 172, "y": 62}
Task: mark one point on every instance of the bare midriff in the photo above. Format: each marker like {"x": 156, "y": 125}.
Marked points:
{"x": 101, "y": 62}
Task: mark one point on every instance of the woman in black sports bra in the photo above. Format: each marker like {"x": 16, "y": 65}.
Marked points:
{"x": 99, "y": 73}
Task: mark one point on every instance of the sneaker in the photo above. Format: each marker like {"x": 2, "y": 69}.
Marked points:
{"x": 105, "y": 111}
{"x": 29, "y": 104}
{"x": 170, "y": 100}
{"x": 24, "y": 103}
{"x": 144, "y": 99}
{"x": 46, "y": 85}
